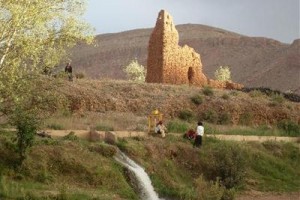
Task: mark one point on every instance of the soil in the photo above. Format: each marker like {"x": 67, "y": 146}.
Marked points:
{"x": 269, "y": 196}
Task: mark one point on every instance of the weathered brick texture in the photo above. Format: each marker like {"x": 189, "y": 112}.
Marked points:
{"x": 170, "y": 63}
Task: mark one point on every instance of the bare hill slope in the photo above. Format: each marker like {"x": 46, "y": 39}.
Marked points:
{"x": 254, "y": 62}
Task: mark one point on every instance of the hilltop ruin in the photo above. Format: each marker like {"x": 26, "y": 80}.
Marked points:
{"x": 172, "y": 64}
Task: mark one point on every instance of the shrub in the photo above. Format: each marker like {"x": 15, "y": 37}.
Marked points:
{"x": 208, "y": 91}
{"x": 176, "y": 126}
{"x": 246, "y": 119}
{"x": 27, "y": 125}
{"x": 71, "y": 136}
{"x": 197, "y": 99}
{"x": 234, "y": 93}
{"x": 224, "y": 118}
{"x": 223, "y": 74}
{"x": 225, "y": 163}
{"x": 225, "y": 96}
{"x": 209, "y": 190}
{"x": 135, "y": 72}
{"x": 104, "y": 149}
{"x": 290, "y": 127}
{"x": 277, "y": 98}
{"x": 256, "y": 93}
{"x": 210, "y": 116}
{"x": 186, "y": 115}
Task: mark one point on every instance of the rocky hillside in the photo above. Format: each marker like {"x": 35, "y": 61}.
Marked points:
{"x": 215, "y": 106}
{"x": 254, "y": 62}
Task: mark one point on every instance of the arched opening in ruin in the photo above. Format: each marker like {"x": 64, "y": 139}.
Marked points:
{"x": 191, "y": 75}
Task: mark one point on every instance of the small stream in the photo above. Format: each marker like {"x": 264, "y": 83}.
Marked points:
{"x": 144, "y": 183}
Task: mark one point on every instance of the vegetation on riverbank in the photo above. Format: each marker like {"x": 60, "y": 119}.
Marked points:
{"x": 69, "y": 168}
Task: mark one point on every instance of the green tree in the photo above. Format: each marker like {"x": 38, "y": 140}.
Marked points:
{"x": 135, "y": 72}
{"x": 223, "y": 74}
{"x": 34, "y": 35}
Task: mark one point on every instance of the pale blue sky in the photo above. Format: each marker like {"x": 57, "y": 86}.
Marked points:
{"x": 277, "y": 19}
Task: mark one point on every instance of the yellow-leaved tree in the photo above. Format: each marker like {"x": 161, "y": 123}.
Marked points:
{"x": 34, "y": 35}
{"x": 135, "y": 72}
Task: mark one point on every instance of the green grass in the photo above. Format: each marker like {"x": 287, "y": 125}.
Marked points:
{"x": 64, "y": 169}
{"x": 248, "y": 130}
{"x": 178, "y": 126}
{"x": 76, "y": 169}
{"x": 226, "y": 167}
{"x": 275, "y": 166}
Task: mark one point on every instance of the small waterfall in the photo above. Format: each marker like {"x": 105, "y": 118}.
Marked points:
{"x": 147, "y": 191}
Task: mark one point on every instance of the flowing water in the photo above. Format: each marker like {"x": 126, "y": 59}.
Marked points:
{"x": 147, "y": 191}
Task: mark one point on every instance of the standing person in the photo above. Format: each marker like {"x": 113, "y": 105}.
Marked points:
{"x": 200, "y": 133}
{"x": 68, "y": 70}
{"x": 161, "y": 129}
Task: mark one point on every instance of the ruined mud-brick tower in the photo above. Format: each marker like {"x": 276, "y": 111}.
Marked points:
{"x": 167, "y": 61}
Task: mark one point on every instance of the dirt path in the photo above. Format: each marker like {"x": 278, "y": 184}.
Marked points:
{"x": 255, "y": 138}
{"x": 85, "y": 133}
{"x": 269, "y": 196}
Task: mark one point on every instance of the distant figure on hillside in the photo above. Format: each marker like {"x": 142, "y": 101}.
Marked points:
{"x": 199, "y": 135}
{"x": 68, "y": 70}
{"x": 161, "y": 129}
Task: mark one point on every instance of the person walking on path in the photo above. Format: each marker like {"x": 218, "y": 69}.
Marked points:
{"x": 199, "y": 135}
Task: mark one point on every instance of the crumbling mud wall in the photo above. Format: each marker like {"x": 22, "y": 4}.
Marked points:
{"x": 167, "y": 61}
{"x": 170, "y": 63}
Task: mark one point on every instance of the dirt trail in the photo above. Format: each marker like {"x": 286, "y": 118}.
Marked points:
{"x": 269, "y": 196}
{"x": 85, "y": 133}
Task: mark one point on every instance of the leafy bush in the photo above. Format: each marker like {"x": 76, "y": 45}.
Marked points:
{"x": 224, "y": 118}
{"x": 176, "y": 126}
{"x": 223, "y": 74}
{"x": 225, "y": 163}
{"x": 210, "y": 116}
{"x": 104, "y": 149}
{"x": 197, "y": 99}
{"x": 135, "y": 72}
{"x": 208, "y": 91}
{"x": 186, "y": 115}
{"x": 225, "y": 96}
{"x": 71, "y": 136}
{"x": 27, "y": 125}
{"x": 246, "y": 119}
{"x": 277, "y": 98}
{"x": 290, "y": 127}
{"x": 256, "y": 93}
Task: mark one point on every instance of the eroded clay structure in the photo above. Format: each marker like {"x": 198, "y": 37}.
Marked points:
{"x": 167, "y": 61}
{"x": 170, "y": 63}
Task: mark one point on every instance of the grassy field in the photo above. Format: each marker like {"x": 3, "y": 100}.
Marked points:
{"x": 69, "y": 168}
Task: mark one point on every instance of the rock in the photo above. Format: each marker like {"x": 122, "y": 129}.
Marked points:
{"x": 111, "y": 137}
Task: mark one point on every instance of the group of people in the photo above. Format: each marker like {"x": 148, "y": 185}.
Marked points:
{"x": 191, "y": 134}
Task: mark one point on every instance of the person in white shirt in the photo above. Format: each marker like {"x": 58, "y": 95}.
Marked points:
{"x": 199, "y": 135}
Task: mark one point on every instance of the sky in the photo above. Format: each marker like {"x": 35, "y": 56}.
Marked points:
{"x": 276, "y": 19}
